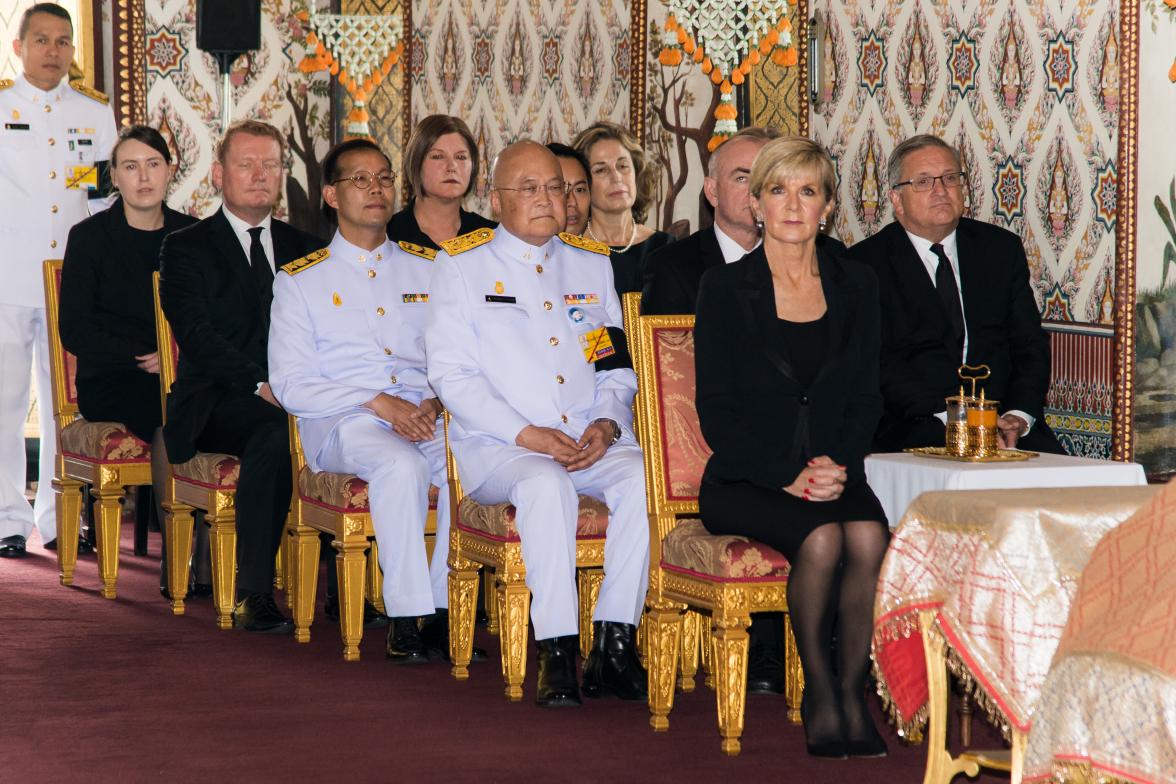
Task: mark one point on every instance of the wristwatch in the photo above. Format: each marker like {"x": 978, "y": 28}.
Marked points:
{"x": 616, "y": 429}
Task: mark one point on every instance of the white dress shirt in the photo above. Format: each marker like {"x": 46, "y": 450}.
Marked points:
{"x": 731, "y": 250}
{"x": 241, "y": 229}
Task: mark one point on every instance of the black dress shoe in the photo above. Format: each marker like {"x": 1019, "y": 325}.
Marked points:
{"x": 13, "y": 547}
{"x": 258, "y": 613}
{"x": 435, "y": 635}
{"x": 557, "y": 687}
{"x": 84, "y": 546}
{"x": 868, "y": 747}
{"x": 404, "y": 642}
{"x": 372, "y": 617}
{"x": 827, "y": 749}
{"x": 765, "y": 670}
{"x": 612, "y": 666}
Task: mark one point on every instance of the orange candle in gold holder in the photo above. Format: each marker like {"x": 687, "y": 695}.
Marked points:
{"x": 982, "y": 426}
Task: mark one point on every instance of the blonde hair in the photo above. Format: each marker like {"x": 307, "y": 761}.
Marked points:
{"x": 251, "y": 128}
{"x": 644, "y": 171}
{"x": 790, "y": 155}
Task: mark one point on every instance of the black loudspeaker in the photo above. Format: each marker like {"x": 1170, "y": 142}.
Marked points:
{"x": 228, "y": 26}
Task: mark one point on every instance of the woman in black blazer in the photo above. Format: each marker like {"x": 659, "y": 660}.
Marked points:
{"x": 107, "y": 316}
{"x": 786, "y": 343}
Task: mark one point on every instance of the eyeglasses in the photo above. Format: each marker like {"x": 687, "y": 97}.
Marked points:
{"x": 363, "y": 180}
{"x": 925, "y": 183}
{"x": 531, "y": 191}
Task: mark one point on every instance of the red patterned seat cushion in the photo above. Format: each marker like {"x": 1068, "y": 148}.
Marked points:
{"x": 499, "y": 519}
{"x": 210, "y": 469}
{"x": 107, "y": 442}
{"x": 690, "y": 548}
{"x": 340, "y": 492}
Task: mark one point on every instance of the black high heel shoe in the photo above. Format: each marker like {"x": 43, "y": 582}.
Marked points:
{"x": 829, "y": 748}
{"x": 867, "y": 748}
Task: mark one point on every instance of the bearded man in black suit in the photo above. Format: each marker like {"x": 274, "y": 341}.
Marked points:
{"x": 216, "y": 286}
{"x": 953, "y": 291}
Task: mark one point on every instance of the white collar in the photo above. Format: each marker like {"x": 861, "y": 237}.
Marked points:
{"x": 923, "y": 247}
{"x": 731, "y": 250}
{"x": 344, "y": 249}
{"x": 241, "y": 227}
{"x": 34, "y": 93}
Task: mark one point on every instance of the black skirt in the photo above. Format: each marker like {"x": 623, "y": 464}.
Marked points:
{"x": 131, "y": 398}
{"x": 779, "y": 519}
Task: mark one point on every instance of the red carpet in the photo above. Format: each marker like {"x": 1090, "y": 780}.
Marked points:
{"x": 121, "y": 691}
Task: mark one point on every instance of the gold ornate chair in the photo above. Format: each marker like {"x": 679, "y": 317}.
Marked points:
{"x": 335, "y": 504}
{"x": 104, "y": 455}
{"x": 486, "y": 535}
{"x": 724, "y": 577}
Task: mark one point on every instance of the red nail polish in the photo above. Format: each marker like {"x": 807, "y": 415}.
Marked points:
{"x": 810, "y": 481}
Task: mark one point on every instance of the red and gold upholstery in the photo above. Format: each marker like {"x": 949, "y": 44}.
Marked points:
{"x": 725, "y": 577}
{"x": 104, "y": 455}
{"x": 485, "y": 535}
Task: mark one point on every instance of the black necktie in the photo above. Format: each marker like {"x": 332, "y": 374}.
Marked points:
{"x": 949, "y": 293}
{"x": 262, "y": 273}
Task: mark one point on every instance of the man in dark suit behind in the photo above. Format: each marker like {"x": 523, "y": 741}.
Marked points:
{"x": 953, "y": 291}
{"x": 216, "y": 287}
{"x": 675, "y": 269}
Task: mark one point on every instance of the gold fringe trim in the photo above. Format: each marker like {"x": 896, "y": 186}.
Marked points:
{"x": 897, "y": 628}
{"x": 1082, "y": 773}
{"x": 956, "y": 666}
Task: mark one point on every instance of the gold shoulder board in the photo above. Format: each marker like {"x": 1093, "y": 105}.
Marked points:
{"x": 583, "y": 243}
{"x": 89, "y": 92}
{"x": 418, "y": 250}
{"x": 467, "y": 241}
{"x": 6, "y": 83}
{"x": 306, "y": 262}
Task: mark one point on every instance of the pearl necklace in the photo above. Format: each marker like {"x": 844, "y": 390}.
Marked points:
{"x": 632, "y": 236}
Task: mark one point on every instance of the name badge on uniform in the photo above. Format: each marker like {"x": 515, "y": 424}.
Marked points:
{"x": 596, "y": 345}
{"x": 16, "y": 126}
{"x": 581, "y": 299}
{"x": 498, "y": 298}
{"x": 414, "y": 298}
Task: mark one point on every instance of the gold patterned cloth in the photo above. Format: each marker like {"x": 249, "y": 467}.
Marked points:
{"x": 340, "y": 492}
{"x": 1108, "y": 707}
{"x": 1001, "y": 568}
{"x": 107, "y": 442}
{"x": 499, "y": 519}
{"x": 689, "y": 547}
{"x": 210, "y": 469}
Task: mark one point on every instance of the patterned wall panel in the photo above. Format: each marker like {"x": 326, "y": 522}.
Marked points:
{"x": 1028, "y": 90}
{"x": 542, "y": 69}
{"x": 183, "y": 101}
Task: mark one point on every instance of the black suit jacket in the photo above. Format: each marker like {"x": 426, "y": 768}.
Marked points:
{"x": 676, "y": 269}
{"x": 761, "y": 422}
{"x": 919, "y": 359}
{"x": 107, "y": 315}
{"x": 404, "y": 226}
{"x": 211, "y": 300}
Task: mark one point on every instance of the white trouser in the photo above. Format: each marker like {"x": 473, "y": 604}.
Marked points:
{"x": 23, "y": 336}
{"x": 545, "y": 498}
{"x": 399, "y": 473}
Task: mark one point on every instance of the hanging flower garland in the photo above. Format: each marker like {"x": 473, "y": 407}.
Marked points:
{"x": 358, "y": 50}
{"x": 727, "y": 38}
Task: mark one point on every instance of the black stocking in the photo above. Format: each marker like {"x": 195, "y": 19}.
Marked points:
{"x": 865, "y": 545}
{"x": 812, "y": 600}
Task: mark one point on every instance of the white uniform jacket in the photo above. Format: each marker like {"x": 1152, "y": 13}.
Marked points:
{"x": 504, "y": 339}
{"x": 347, "y": 324}
{"x": 50, "y": 145}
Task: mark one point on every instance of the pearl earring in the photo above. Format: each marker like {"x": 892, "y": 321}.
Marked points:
{"x": 822, "y": 224}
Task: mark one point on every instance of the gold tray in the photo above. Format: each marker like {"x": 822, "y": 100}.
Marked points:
{"x": 1001, "y": 456}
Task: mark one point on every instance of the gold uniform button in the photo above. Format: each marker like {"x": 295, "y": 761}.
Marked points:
{"x": 51, "y": 141}
{"x": 563, "y": 418}
{"x": 53, "y": 175}
{"x": 48, "y": 108}
{"x": 393, "y": 379}
{"x": 388, "y": 351}
{"x": 554, "y": 341}
{"x": 559, "y": 379}
{"x": 539, "y": 268}
{"x": 53, "y": 209}
{"x": 379, "y": 311}
{"x": 547, "y": 305}
{"x": 52, "y": 243}
{"x": 371, "y": 273}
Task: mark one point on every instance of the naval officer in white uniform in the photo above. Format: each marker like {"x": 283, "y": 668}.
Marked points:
{"x": 347, "y": 357}
{"x": 55, "y": 140}
{"x": 525, "y": 350}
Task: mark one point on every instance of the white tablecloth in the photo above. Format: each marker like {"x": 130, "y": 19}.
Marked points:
{"x": 898, "y": 478}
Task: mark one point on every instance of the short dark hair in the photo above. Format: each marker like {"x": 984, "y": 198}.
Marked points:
{"x": 53, "y": 9}
{"x": 424, "y": 136}
{"x": 144, "y": 134}
{"x": 562, "y": 150}
{"x": 332, "y": 168}
{"x": 251, "y": 128}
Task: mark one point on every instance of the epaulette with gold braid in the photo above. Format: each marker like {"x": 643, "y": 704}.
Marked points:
{"x": 306, "y": 262}
{"x": 583, "y": 243}
{"x": 6, "y": 83}
{"x": 467, "y": 241}
{"x": 418, "y": 250}
{"x": 89, "y": 92}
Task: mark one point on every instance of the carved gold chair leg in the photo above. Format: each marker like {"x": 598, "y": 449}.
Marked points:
{"x": 706, "y": 651}
{"x": 280, "y": 562}
{"x": 643, "y": 639}
{"x": 664, "y": 622}
{"x": 490, "y": 599}
{"x": 222, "y": 542}
{"x": 304, "y": 567}
{"x": 463, "y": 606}
{"x": 589, "y": 589}
{"x": 731, "y": 644}
{"x": 691, "y": 632}
{"x": 177, "y": 540}
{"x": 514, "y": 607}
{"x": 1019, "y": 744}
{"x": 375, "y": 577}
{"x": 351, "y": 567}
{"x": 109, "y": 519}
{"x": 793, "y": 674}
{"x": 941, "y": 766}
{"x": 69, "y": 511}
